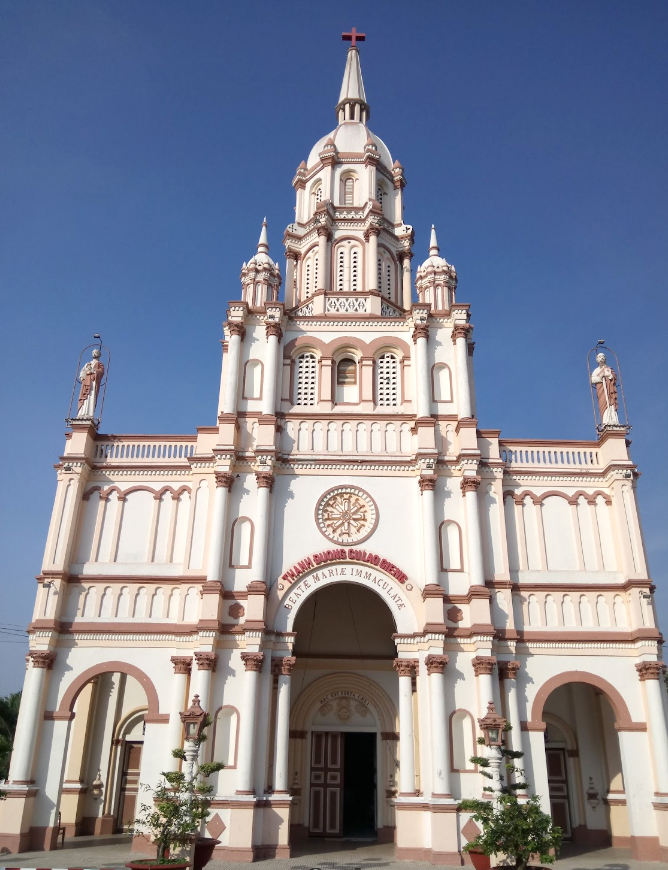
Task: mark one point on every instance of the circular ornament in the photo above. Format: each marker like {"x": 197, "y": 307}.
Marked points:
{"x": 346, "y": 515}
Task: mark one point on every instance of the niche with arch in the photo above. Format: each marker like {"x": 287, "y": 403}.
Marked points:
{"x": 441, "y": 383}
{"x": 253, "y": 377}
{"x": 462, "y": 742}
{"x": 241, "y": 545}
{"x": 226, "y": 736}
{"x": 451, "y": 548}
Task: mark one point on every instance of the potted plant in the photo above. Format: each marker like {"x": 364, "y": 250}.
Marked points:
{"x": 513, "y": 827}
{"x": 178, "y": 812}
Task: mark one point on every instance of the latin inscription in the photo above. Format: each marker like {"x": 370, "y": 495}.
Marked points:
{"x": 351, "y": 572}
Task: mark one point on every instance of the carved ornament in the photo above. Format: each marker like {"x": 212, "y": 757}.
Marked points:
{"x": 469, "y": 484}
{"x": 206, "y": 661}
{"x": 236, "y": 328}
{"x": 265, "y": 479}
{"x": 508, "y": 670}
{"x": 427, "y": 483}
{"x": 421, "y": 331}
{"x": 252, "y": 661}
{"x": 274, "y": 329}
{"x": 483, "y": 665}
{"x": 460, "y": 330}
{"x": 406, "y": 667}
{"x": 436, "y": 664}
{"x": 346, "y": 515}
{"x": 283, "y": 666}
{"x": 650, "y": 670}
{"x": 182, "y": 664}
{"x": 455, "y": 614}
{"x": 224, "y": 478}
{"x": 42, "y": 659}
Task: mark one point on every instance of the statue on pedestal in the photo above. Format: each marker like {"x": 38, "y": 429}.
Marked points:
{"x": 605, "y": 381}
{"x": 90, "y": 376}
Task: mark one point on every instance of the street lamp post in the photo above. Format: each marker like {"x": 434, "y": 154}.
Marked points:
{"x": 492, "y": 726}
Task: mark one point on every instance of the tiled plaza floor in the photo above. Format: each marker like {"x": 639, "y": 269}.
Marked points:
{"x": 111, "y": 853}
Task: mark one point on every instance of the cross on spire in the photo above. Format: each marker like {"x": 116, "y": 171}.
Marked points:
{"x": 353, "y": 37}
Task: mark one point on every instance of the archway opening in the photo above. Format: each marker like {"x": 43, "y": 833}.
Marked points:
{"x": 343, "y": 751}
{"x": 103, "y": 766}
{"x": 584, "y": 767}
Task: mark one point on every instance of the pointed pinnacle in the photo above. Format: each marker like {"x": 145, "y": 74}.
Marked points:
{"x": 433, "y": 243}
{"x": 263, "y": 244}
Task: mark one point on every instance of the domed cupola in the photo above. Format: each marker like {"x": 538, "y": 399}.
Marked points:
{"x": 436, "y": 279}
{"x": 260, "y": 276}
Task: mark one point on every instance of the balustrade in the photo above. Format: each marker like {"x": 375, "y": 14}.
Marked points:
{"x": 126, "y": 449}
{"x": 549, "y": 454}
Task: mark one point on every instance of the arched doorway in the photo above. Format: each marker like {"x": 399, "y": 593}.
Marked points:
{"x": 343, "y": 728}
{"x": 585, "y": 778}
{"x": 103, "y": 762}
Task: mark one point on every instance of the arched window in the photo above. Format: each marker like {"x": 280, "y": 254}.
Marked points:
{"x": 348, "y": 191}
{"x": 346, "y": 381}
{"x": 387, "y": 380}
{"x": 380, "y": 194}
{"x": 385, "y": 274}
{"x": 309, "y": 275}
{"x": 241, "y": 546}
{"x": 253, "y": 379}
{"x": 305, "y": 379}
{"x": 450, "y": 538}
{"x": 348, "y": 267}
{"x": 316, "y": 195}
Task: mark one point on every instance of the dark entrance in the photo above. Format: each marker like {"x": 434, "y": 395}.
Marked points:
{"x": 359, "y": 785}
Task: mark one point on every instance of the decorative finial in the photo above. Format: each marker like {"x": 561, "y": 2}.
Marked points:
{"x": 433, "y": 243}
{"x": 263, "y": 244}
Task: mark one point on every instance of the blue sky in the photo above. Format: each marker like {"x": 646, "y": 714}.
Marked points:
{"x": 143, "y": 142}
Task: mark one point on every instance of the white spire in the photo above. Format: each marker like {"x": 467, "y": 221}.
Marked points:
{"x": 433, "y": 243}
{"x": 263, "y": 244}
{"x": 352, "y": 105}
{"x": 352, "y": 87}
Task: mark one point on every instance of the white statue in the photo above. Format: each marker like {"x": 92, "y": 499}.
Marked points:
{"x": 90, "y": 376}
{"x": 605, "y": 381}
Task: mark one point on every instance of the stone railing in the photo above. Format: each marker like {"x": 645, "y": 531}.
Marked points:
{"x": 383, "y": 437}
{"x": 563, "y": 455}
{"x": 142, "y": 449}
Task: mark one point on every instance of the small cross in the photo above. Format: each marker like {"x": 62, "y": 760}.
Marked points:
{"x": 354, "y": 37}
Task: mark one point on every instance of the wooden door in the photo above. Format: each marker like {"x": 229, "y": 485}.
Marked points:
{"x": 326, "y": 802}
{"x": 557, "y": 780}
{"x": 127, "y": 804}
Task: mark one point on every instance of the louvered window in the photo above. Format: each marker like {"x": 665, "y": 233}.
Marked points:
{"x": 387, "y": 380}
{"x": 306, "y": 379}
{"x": 348, "y": 191}
{"x": 354, "y": 269}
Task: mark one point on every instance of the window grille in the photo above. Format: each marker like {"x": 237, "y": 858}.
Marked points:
{"x": 387, "y": 380}
{"x": 306, "y": 379}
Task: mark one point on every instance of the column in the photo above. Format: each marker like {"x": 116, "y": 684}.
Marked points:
{"x": 283, "y": 668}
{"x": 429, "y": 532}
{"x": 469, "y": 487}
{"x": 439, "y": 726}
{"x": 224, "y": 481}
{"x": 274, "y": 335}
{"x": 460, "y": 334}
{"x": 508, "y": 676}
{"x": 323, "y": 271}
{"x": 237, "y": 335}
{"x": 291, "y": 258}
{"x": 407, "y": 290}
{"x": 406, "y": 668}
{"x": 483, "y": 667}
{"x": 420, "y": 336}
{"x": 265, "y": 484}
{"x": 651, "y": 673}
{"x": 253, "y": 665}
{"x": 179, "y": 702}
{"x": 31, "y": 715}
{"x": 206, "y": 665}
{"x": 371, "y": 236}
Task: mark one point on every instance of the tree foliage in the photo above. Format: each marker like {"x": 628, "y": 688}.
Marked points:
{"x": 9, "y": 714}
{"x": 179, "y": 806}
{"x": 516, "y": 828}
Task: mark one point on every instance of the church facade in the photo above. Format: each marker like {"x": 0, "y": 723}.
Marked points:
{"x": 346, "y": 569}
